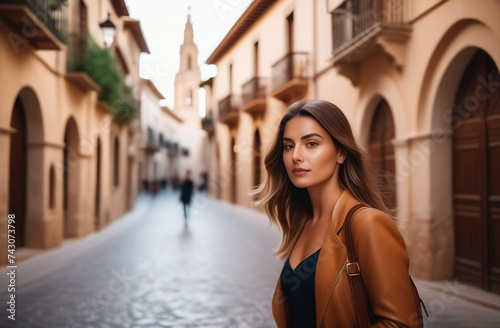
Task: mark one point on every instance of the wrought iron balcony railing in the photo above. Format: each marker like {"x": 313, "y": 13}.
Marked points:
{"x": 207, "y": 123}
{"x": 255, "y": 88}
{"x": 354, "y": 19}
{"x": 229, "y": 105}
{"x": 293, "y": 65}
{"x": 51, "y": 12}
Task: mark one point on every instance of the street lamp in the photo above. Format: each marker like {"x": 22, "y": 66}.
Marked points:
{"x": 108, "y": 32}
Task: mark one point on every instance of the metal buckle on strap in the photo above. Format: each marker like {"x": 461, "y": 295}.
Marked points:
{"x": 353, "y": 269}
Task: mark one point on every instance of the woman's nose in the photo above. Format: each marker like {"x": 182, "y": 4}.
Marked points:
{"x": 297, "y": 155}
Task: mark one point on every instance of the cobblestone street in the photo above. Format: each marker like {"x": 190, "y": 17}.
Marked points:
{"x": 149, "y": 269}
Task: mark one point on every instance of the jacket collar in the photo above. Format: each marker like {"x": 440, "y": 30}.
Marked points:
{"x": 345, "y": 202}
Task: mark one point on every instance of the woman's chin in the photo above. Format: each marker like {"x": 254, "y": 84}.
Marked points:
{"x": 300, "y": 184}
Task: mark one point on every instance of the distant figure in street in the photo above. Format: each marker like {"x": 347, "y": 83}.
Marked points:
{"x": 186, "y": 192}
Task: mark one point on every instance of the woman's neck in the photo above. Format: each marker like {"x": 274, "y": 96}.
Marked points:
{"x": 323, "y": 199}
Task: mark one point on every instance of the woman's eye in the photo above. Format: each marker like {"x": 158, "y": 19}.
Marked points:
{"x": 312, "y": 144}
{"x": 287, "y": 147}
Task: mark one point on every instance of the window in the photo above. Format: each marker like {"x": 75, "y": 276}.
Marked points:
{"x": 256, "y": 59}
{"x": 189, "y": 63}
{"x": 290, "y": 32}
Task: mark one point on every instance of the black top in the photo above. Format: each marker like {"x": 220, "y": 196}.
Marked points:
{"x": 298, "y": 286}
{"x": 186, "y": 191}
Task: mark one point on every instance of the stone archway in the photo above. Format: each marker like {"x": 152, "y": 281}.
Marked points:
{"x": 381, "y": 151}
{"x": 233, "y": 171}
{"x": 17, "y": 171}
{"x": 475, "y": 122}
{"x": 26, "y": 172}
{"x": 97, "y": 208}
{"x": 71, "y": 179}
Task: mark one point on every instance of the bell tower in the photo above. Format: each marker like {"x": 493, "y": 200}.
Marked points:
{"x": 187, "y": 80}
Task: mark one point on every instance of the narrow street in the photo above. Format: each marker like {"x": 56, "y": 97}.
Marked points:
{"x": 149, "y": 269}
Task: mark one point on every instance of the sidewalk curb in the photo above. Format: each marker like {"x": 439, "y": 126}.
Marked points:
{"x": 474, "y": 294}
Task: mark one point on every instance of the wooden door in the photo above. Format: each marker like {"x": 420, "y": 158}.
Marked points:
{"x": 97, "y": 209}
{"x": 381, "y": 153}
{"x": 17, "y": 171}
{"x": 476, "y": 174}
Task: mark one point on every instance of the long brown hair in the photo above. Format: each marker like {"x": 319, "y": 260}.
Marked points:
{"x": 288, "y": 206}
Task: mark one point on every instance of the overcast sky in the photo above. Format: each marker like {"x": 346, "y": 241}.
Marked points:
{"x": 163, "y": 23}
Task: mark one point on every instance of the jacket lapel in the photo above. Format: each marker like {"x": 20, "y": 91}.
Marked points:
{"x": 280, "y": 306}
{"x": 332, "y": 257}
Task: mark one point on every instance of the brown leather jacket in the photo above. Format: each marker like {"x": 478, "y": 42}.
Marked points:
{"x": 380, "y": 251}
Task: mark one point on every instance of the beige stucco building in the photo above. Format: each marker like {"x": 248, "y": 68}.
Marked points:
{"x": 160, "y": 143}
{"x": 418, "y": 81}
{"x": 69, "y": 166}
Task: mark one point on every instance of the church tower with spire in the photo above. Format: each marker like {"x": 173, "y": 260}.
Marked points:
{"x": 187, "y": 80}
{"x": 187, "y": 84}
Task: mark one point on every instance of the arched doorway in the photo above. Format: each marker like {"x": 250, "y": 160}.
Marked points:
{"x": 116, "y": 163}
{"x": 233, "y": 171}
{"x": 476, "y": 177}
{"x": 17, "y": 171}
{"x": 27, "y": 170}
{"x": 256, "y": 158}
{"x": 218, "y": 172}
{"x": 71, "y": 180}
{"x": 97, "y": 209}
{"x": 381, "y": 151}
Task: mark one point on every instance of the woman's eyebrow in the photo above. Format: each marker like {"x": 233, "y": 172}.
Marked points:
{"x": 304, "y": 137}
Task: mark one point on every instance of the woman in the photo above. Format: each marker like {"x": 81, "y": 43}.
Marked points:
{"x": 315, "y": 174}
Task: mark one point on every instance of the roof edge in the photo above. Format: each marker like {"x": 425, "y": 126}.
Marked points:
{"x": 256, "y": 10}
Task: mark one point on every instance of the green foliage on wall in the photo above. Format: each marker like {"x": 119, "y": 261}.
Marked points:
{"x": 102, "y": 66}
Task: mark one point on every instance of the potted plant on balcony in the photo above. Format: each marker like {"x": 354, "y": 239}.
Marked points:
{"x": 55, "y": 5}
{"x": 102, "y": 66}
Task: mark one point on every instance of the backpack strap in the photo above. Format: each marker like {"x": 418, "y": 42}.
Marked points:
{"x": 358, "y": 291}
{"x": 361, "y": 303}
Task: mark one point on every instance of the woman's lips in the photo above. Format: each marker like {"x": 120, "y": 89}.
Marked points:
{"x": 300, "y": 172}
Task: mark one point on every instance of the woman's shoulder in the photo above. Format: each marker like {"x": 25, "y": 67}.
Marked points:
{"x": 369, "y": 221}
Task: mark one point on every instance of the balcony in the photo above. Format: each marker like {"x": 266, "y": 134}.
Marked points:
{"x": 151, "y": 145}
{"x": 254, "y": 96}
{"x": 172, "y": 148}
{"x": 229, "y": 112}
{"x": 207, "y": 124}
{"x": 290, "y": 77}
{"x": 40, "y": 23}
{"x": 75, "y": 73}
{"x": 361, "y": 27}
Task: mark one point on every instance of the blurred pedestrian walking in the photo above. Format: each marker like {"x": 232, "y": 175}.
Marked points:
{"x": 186, "y": 192}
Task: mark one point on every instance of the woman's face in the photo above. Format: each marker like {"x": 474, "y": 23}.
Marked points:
{"x": 307, "y": 145}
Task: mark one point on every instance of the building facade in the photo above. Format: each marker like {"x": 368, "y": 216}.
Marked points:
{"x": 419, "y": 82}
{"x": 160, "y": 140}
{"x": 70, "y": 163}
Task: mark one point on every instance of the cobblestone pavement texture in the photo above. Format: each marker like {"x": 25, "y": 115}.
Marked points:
{"x": 150, "y": 269}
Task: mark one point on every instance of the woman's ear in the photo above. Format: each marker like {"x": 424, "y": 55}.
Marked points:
{"x": 342, "y": 156}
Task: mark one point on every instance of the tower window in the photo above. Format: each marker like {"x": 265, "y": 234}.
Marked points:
{"x": 189, "y": 62}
